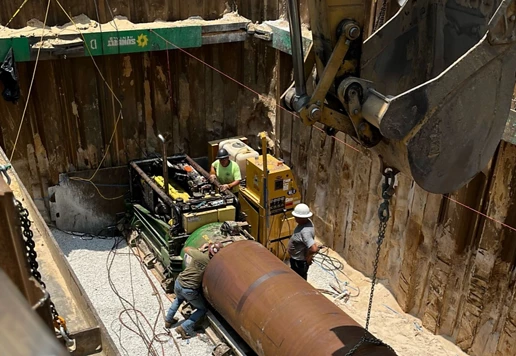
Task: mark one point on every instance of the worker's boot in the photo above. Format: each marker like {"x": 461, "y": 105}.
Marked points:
{"x": 168, "y": 324}
{"x": 182, "y": 332}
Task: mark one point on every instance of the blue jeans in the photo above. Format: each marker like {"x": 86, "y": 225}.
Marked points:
{"x": 192, "y": 296}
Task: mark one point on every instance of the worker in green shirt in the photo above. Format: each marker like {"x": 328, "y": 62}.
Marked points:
{"x": 226, "y": 172}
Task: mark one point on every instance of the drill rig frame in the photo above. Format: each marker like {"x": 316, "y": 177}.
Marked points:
{"x": 165, "y": 219}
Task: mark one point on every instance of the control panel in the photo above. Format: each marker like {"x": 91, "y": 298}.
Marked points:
{"x": 277, "y": 205}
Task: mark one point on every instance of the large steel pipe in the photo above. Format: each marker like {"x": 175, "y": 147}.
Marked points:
{"x": 274, "y": 310}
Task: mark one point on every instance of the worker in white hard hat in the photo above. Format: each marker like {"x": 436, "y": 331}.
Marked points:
{"x": 302, "y": 246}
{"x": 226, "y": 172}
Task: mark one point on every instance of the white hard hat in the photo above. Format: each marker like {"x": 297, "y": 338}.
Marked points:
{"x": 302, "y": 211}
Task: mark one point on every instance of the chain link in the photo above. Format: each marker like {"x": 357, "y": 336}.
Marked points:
{"x": 383, "y": 214}
{"x": 31, "y": 254}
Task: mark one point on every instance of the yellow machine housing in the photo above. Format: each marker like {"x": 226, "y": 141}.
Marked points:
{"x": 193, "y": 221}
{"x": 282, "y": 196}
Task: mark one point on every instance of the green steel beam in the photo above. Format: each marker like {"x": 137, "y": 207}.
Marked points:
{"x": 142, "y": 38}
{"x": 281, "y": 36}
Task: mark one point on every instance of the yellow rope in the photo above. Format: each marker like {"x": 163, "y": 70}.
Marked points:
{"x": 89, "y": 52}
{"x": 105, "y": 153}
{"x": 120, "y": 115}
{"x": 31, "y": 83}
{"x": 97, "y": 188}
{"x": 89, "y": 180}
{"x": 16, "y": 13}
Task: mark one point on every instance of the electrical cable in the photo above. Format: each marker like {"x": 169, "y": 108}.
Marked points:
{"x": 125, "y": 303}
{"x": 149, "y": 340}
{"x": 330, "y": 265}
{"x": 31, "y": 81}
{"x": 88, "y": 236}
{"x": 157, "y": 294}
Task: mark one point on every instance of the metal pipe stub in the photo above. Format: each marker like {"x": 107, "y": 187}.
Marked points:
{"x": 276, "y": 311}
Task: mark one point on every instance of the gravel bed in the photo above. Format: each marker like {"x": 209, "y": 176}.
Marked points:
{"x": 89, "y": 258}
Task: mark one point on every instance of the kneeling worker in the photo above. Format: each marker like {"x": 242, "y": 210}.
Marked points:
{"x": 226, "y": 171}
{"x": 302, "y": 246}
{"x": 188, "y": 288}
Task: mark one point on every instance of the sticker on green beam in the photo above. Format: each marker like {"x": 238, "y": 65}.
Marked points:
{"x": 144, "y": 40}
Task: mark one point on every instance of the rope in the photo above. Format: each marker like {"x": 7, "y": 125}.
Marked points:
{"x": 245, "y": 86}
{"x": 90, "y": 54}
{"x": 90, "y": 180}
{"x": 16, "y": 13}
{"x": 120, "y": 114}
{"x": 31, "y": 82}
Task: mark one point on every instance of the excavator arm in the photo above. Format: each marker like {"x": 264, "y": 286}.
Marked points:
{"x": 429, "y": 91}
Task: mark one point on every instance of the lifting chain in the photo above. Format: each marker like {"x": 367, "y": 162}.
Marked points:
{"x": 32, "y": 259}
{"x": 383, "y": 214}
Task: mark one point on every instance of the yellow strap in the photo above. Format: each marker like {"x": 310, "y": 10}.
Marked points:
{"x": 16, "y": 13}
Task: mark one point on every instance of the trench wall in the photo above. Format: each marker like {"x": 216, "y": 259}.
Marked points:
{"x": 71, "y": 113}
{"x": 446, "y": 264}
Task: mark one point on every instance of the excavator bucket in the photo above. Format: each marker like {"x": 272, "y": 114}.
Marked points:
{"x": 446, "y": 74}
{"x": 434, "y": 83}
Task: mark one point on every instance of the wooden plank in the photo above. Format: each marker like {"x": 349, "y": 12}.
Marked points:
{"x": 175, "y": 59}
{"x": 46, "y": 98}
{"x": 87, "y": 84}
{"x": 236, "y": 98}
{"x": 151, "y": 136}
{"x": 450, "y": 265}
{"x": 211, "y": 101}
{"x": 197, "y": 117}
{"x": 109, "y": 108}
{"x": 347, "y": 192}
{"x": 425, "y": 257}
{"x": 284, "y": 119}
{"x": 160, "y": 82}
{"x": 129, "y": 84}
{"x": 215, "y": 116}
{"x": 400, "y": 258}
{"x": 322, "y": 200}
{"x": 495, "y": 260}
{"x": 360, "y": 245}
{"x": 183, "y": 101}
{"x": 70, "y": 125}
